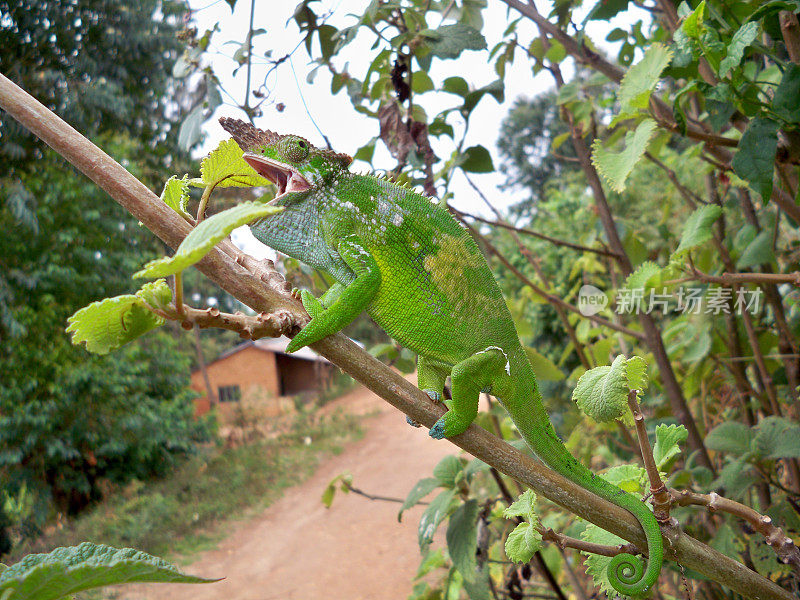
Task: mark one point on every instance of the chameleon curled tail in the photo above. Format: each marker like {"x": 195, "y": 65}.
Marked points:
{"x": 626, "y": 572}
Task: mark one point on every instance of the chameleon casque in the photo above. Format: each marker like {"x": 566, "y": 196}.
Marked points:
{"x": 420, "y": 275}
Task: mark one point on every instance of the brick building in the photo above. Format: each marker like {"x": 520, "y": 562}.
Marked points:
{"x": 261, "y": 372}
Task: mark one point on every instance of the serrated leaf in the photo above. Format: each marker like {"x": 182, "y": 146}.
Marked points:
{"x": 777, "y": 437}
{"x": 640, "y": 80}
{"x": 69, "y": 570}
{"x": 432, "y": 517}
{"x": 754, "y": 160}
{"x": 113, "y": 322}
{"x": 630, "y": 478}
{"x": 225, "y": 167}
{"x": 616, "y": 166}
{"x": 757, "y": 252}
{"x": 462, "y": 538}
{"x": 545, "y": 369}
{"x": 667, "y": 446}
{"x": 602, "y": 392}
{"x": 176, "y": 194}
{"x": 643, "y": 276}
{"x": 205, "y": 236}
{"x": 636, "y": 371}
{"x": 524, "y": 506}
{"x": 597, "y": 564}
{"x": 421, "y": 489}
{"x": 730, "y": 436}
{"x": 449, "y": 41}
{"x": 786, "y": 102}
{"x": 743, "y": 37}
{"x": 697, "y": 230}
{"x": 476, "y": 159}
{"x": 522, "y": 543}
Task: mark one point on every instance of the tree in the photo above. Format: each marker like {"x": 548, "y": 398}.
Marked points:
{"x": 703, "y": 376}
{"x": 69, "y": 420}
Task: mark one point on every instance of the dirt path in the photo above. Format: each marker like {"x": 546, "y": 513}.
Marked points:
{"x": 297, "y": 549}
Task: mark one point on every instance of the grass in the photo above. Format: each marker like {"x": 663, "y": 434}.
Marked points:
{"x": 188, "y": 510}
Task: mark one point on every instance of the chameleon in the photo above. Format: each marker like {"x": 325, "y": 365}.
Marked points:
{"x": 404, "y": 259}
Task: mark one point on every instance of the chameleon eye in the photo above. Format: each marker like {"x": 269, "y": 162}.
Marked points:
{"x": 296, "y": 149}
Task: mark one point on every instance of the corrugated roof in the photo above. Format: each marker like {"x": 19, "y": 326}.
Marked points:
{"x": 274, "y": 345}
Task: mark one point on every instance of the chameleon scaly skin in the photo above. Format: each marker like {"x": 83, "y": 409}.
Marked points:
{"x": 421, "y": 277}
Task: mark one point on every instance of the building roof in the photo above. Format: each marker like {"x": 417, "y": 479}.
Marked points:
{"x": 275, "y": 346}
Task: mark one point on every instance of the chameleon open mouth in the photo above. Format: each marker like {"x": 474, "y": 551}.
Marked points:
{"x": 283, "y": 176}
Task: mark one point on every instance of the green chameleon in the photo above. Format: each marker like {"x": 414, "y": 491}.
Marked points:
{"x": 421, "y": 277}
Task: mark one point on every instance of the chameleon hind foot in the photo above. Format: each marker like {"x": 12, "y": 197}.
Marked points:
{"x": 433, "y": 395}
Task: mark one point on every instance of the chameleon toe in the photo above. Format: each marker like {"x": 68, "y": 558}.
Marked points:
{"x": 437, "y": 431}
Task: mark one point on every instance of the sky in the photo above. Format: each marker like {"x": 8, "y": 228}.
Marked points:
{"x": 334, "y": 115}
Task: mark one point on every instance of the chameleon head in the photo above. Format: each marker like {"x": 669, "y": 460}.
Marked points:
{"x": 291, "y": 162}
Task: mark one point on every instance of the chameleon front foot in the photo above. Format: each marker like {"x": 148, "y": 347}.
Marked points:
{"x": 448, "y": 426}
{"x": 433, "y": 395}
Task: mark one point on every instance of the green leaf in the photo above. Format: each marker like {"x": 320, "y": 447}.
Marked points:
{"x": 786, "y": 102}
{"x": 755, "y": 157}
{"x": 693, "y": 25}
{"x": 456, "y": 85}
{"x": 757, "y": 252}
{"x": 449, "y": 41}
{"x": 602, "y": 392}
{"x": 641, "y": 79}
{"x": 69, "y": 570}
{"x": 523, "y": 542}
{"x": 449, "y": 471}
{"x": 616, "y": 166}
{"x": 630, "y": 478}
{"x": 476, "y": 159}
{"x": 421, "y": 82}
{"x": 764, "y": 558}
{"x": 421, "y": 489}
{"x": 176, "y": 194}
{"x": 597, "y": 564}
{"x": 191, "y": 128}
{"x": 777, "y": 437}
{"x": 605, "y": 9}
{"x": 462, "y": 538}
{"x": 737, "y": 478}
{"x": 225, "y": 167}
{"x": 432, "y": 517}
{"x": 110, "y": 323}
{"x": 726, "y": 541}
{"x": 433, "y": 559}
{"x": 743, "y": 37}
{"x": 697, "y": 230}
{"x": 524, "y": 506}
{"x": 643, "y": 276}
{"x": 667, "y": 446}
{"x": 205, "y": 236}
{"x": 636, "y": 372}
{"x": 545, "y": 369}
{"x": 730, "y": 436}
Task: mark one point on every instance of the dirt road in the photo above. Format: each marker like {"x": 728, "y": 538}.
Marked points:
{"x": 298, "y": 549}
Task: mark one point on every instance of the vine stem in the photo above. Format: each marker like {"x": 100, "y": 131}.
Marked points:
{"x": 221, "y": 267}
{"x": 661, "y": 498}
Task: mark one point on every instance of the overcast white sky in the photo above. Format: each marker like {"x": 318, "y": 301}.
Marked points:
{"x": 347, "y": 129}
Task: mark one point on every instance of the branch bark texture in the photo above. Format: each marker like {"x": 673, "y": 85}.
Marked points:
{"x": 227, "y": 272}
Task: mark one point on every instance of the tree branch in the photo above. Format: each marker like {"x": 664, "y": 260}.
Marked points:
{"x": 344, "y": 353}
